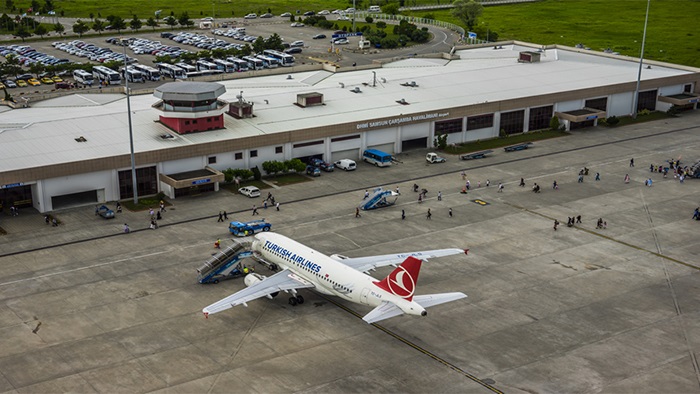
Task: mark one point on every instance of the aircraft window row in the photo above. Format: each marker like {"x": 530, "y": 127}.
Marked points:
{"x": 314, "y": 272}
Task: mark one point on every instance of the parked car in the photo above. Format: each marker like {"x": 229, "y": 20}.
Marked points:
{"x": 346, "y": 164}
{"x": 286, "y": 15}
{"x": 104, "y": 211}
{"x": 340, "y": 41}
{"x": 292, "y": 51}
{"x": 250, "y": 191}
{"x": 297, "y": 44}
{"x": 313, "y": 171}
{"x": 47, "y": 80}
{"x": 309, "y": 13}
{"x": 10, "y": 84}
{"x": 56, "y": 78}
{"x": 297, "y": 24}
{"x": 250, "y": 16}
{"x": 33, "y": 82}
{"x": 21, "y": 83}
{"x": 325, "y": 166}
{"x": 266, "y": 15}
{"x": 319, "y": 36}
{"x": 64, "y": 85}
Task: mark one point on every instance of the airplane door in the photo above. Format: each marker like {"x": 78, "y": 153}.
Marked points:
{"x": 363, "y": 296}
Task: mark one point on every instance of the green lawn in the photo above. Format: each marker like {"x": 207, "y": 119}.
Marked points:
{"x": 494, "y": 143}
{"x": 599, "y": 24}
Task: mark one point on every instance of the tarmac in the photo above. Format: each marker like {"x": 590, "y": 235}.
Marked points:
{"x": 87, "y": 308}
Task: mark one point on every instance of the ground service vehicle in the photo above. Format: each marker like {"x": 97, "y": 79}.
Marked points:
{"x": 346, "y": 164}
{"x": 168, "y": 70}
{"x": 325, "y": 166}
{"x": 377, "y": 157}
{"x": 242, "y": 229}
{"x": 434, "y": 158}
{"x": 284, "y": 59}
{"x": 150, "y": 73}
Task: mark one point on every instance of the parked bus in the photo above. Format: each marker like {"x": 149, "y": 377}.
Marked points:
{"x": 241, "y": 65}
{"x": 268, "y": 61}
{"x": 83, "y": 77}
{"x": 203, "y": 65}
{"x": 377, "y": 157}
{"x": 149, "y": 73}
{"x": 133, "y": 75}
{"x": 168, "y": 70}
{"x": 225, "y": 65}
{"x": 106, "y": 75}
{"x": 284, "y": 59}
{"x": 187, "y": 67}
{"x": 253, "y": 63}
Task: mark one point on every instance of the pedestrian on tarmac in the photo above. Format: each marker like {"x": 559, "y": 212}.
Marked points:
{"x": 225, "y": 216}
{"x": 357, "y": 213}
{"x": 556, "y": 223}
{"x": 366, "y": 194}
{"x": 627, "y": 178}
{"x": 597, "y": 176}
{"x": 440, "y": 195}
{"x": 429, "y": 215}
{"x": 522, "y": 182}
{"x": 450, "y": 212}
{"x": 255, "y": 210}
{"x": 277, "y": 205}
{"x": 632, "y": 162}
{"x": 403, "y": 214}
{"x": 221, "y": 217}
{"x": 500, "y": 187}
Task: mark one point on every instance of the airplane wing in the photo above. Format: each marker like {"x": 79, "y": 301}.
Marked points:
{"x": 387, "y": 310}
{"x": 281, "y": 281}
{"x": 369, "y": 263}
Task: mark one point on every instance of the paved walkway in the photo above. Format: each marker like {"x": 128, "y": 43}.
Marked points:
{"x": 28, "y": 230}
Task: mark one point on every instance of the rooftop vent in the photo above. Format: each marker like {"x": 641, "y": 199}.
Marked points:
{"x": 241, "y": 108}
{"x": 309, "y": 99}
{"x": 529, "y": 57}
{"x": 356, "y": 90}
{"x": 342, "y": 85}
{"x": 403, "y": 102}
{"x": 411, "y": 84}
{"x": 81, "y": 139}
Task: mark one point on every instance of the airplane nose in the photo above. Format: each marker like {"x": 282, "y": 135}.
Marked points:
{"x": 424, "y": 313}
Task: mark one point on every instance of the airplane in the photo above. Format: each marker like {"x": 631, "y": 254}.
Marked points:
{"x": 341, "y": 276}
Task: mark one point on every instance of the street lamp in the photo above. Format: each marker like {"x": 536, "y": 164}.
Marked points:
{"x": 635, "y": 100}
{"x": 131, "y": 129}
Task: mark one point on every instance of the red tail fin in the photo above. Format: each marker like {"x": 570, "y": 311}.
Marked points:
{"x": 402, "y": 281}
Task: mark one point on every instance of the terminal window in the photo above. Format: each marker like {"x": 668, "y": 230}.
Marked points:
{"x": 254, "y": 153}
{"x": 540, "y": 117}
{"x": 512, "y": 122}
{"x": 212, "y": 159}
{"x": 479, "y": 122}
{"x": 598, "y": 103}
{"x": 278, "y": 149}
{"x": 449, "y": 126}
{"x": 238, "y": 156}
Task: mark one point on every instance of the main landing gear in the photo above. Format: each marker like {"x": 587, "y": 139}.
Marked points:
{"x": 293, "y": 301}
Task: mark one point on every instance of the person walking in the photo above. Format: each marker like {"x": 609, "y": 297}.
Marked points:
{"x": 119, "y": 207}
{"x": 449, "y": 212}
{"x": 522, "y": 182}
{"x": 420, "y": 198}
{"x": 429, "y": 215}
{"x": 597, "y": 176}
{"x": 366, "y": 194}
{"x": 357, "y": 213}
{"x": 556, "y": 223}
{"x": 627, "y": 178}
{"x": 225, "y": 216}
{"x": 500, "y": 187}
{"x": 221, "y": 217}
{"x": 277, "y": 205}
{"x": 555, "y": 186}
{"x": 632, "y": 162}
{"x": 255, "y": 210}
{"x": 398, "y": 191}
{"x": 488, "y": 183}
{"x": 578, "y": 219}
{"x": 439, "y": 195}
{"x": 403, "y": 214}
{"x": 162, "y": 206}
{"x": 217, "y": 244}
{"x": 126, "y": 228}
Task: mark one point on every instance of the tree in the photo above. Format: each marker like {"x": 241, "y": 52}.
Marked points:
{"x": 92, "y": 16}
{"x": 150, "y": 22}
{"x": 22, "y": 32}
{"x": 36, "y": 68}
{"x": 98, "y": 26}
{"x": 9, "y": 5}
{"x": 58, "y": 28}
{"x": 391, "y": 8}
{"x": 274, "y": 42}
{"x": 369, "y": 19}
{"x": 79, "y": 27}
{"x": 118, "y": 24}
{"x": 11, "y": 66}
{"x": 554, "y": 123}
{"x": 135, "y": 24}
{"x": 259, "y": 44}
{"x": 40, "y": 30}
{"x": 184, "y": 20}
{"x": 170, "y": 21}
{"x": 295, "y": 165}
{"x": 467, "y": 11}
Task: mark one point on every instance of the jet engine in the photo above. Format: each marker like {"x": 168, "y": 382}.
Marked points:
{"x": 253, "y": 278}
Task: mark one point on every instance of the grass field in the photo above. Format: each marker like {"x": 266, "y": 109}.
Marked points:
{"x": 599, "y": 24}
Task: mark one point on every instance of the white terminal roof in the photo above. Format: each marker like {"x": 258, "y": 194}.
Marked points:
{"x": 45, "y": 133}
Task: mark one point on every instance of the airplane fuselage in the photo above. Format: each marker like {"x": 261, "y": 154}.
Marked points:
{"x": 328, "y": 276}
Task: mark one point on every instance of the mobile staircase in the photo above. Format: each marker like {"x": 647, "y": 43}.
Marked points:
{"x": 379, "y": 199}
{"x": 225, "y": 264}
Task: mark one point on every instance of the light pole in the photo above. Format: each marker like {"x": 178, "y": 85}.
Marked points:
{"x": 635, "y": 99}
{"x": 353, "y": 15}
{"x": 131, "y": 129}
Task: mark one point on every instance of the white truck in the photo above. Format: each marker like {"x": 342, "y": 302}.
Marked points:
{"x": 364, "y": 44}
{"x": 434, "y": 158}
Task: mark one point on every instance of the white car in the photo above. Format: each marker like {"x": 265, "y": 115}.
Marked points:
{"x": 297, "y": 44}
{"x": 250, "y": 16}
{"x": 250, "y": 191}
{"x": 324, "y": 12}
{"x": 340, "y": 41}
{"x": 286, "y": 15}
{"x": 297, "y": 24}
{"x": 346, "y": 164}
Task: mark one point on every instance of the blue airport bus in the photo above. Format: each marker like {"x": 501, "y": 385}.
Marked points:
{"x": 377, "y": 157}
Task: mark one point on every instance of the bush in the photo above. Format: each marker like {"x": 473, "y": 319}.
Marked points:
{"x": 295, "y": 165}
{"x": 554, "y": 123}
{"x": 369, "y": 19}
{"x": 612, "y": 121}
{"x": 440, "y": 141}
{"x": 230, "y": 174}
{"x": 644, "y": 112}
{"x": 273, "y": 167}
{"x": 380, "y": 25}
{"x": 673, "y": 110}
{"x": 256, "y": 173}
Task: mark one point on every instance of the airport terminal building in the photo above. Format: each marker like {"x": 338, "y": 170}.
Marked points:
{"x": 75, "y": 149}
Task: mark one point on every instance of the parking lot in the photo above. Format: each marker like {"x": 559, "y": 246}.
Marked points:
{"x": 86, "y": 308}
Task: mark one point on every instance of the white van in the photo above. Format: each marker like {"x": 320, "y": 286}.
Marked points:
{"x": 374, "y": 8}
{"x": 345, "y": 164}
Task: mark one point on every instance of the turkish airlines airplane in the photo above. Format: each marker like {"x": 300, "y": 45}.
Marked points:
{"x": 344, "y": 277}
